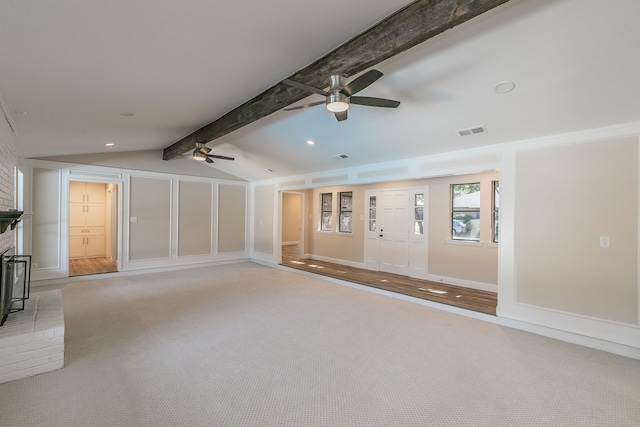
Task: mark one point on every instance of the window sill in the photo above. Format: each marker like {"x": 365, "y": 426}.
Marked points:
{"x": 465, "y": 243}
{"x": 335, "y": 233}
{"x": 492, "y": 245}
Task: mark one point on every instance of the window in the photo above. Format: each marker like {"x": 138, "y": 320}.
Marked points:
{"x": 465, "y": 211}
{"x": 372, "y": 213}
{"x": 418, "y": 214}
{"x": 496, "y": 212}
{"x": 326, "y": 213}
{"x": 346, "y": 210}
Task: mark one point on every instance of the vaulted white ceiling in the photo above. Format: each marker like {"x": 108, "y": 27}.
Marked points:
{"x": 70, "y": 69}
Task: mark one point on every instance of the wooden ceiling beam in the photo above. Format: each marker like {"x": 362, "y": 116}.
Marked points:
{"x": 408, "y": 27}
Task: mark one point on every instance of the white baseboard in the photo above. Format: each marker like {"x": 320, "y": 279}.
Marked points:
{"x": 335, "y": 261}
{"x": 54, "y": 282}
{"x": 572, "y": 337}
{"x": 464, "y": 283}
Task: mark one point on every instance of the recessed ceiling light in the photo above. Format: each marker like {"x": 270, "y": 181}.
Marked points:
{"x": 504, "y": 87}
{"x": 310, "y": 142}
{"x": 109, "y": 144}
{"x": 125, "y": 114}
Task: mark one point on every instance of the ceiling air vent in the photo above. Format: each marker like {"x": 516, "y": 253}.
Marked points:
{"x": 340, "y": 156}
{"x": 471, "y": 131}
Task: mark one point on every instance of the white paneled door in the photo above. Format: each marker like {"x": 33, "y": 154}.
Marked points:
{"x": 394, "y": 233}
{"x": 395, "y": 236}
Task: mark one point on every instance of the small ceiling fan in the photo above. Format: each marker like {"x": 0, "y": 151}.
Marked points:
{"x": 340, "y": 95}
{"x": 201, "y": 154}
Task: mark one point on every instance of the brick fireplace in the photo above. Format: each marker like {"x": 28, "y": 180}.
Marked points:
{"x": 32, "y": 340}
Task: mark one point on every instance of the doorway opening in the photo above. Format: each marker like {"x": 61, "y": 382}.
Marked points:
{"x": 292, "y": 225}
{"x": 93, "y": 228}
{"x": 396, "y": 231}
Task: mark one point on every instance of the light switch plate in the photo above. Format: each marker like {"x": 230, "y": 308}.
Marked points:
{"x": 605, "y": 241}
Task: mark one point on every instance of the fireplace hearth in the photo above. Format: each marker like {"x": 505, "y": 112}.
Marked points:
{"x": 15, "y": 272}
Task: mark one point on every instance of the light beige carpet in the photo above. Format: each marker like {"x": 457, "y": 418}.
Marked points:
{"x": 248, "y": 345}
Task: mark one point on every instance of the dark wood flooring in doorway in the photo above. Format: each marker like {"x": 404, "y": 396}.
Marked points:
{"x": 458, "y": 296}
{"x": 86, "y": 266}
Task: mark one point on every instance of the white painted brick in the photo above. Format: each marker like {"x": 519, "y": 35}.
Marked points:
{"x": 6, "y": 351}
{"x": 4, "y": 370}
{"x": 31, "y": 363}
{"x": 39, "y": 350}
{"x": 48, "y": 367}
{"x": 19, "y": 339}
{"x": 15, "y": 359}
{"x": 12, "y": 376}
{"x": 47, "y": 351}
{"x": 36, "y": 345}
{"x": 57, "y": 341}
{"x": 57, "y": 357}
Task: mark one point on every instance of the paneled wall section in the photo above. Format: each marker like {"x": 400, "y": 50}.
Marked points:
{"x": 9, "y": 159}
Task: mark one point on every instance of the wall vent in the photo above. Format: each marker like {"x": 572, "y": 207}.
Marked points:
{"x": 340, "y": 156}
{"x": 324, "y": 179}
{"x": 471, "y": 131}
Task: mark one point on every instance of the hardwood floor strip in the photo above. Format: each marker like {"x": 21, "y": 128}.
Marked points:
{"x": 458, "y": 296}
{"x": 86, "y": 266}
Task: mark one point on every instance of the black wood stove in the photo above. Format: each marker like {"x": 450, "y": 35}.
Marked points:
{"x": 15, "y": 272}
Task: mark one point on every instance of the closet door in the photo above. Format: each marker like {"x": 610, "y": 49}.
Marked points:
{"x": 94, "y": 215}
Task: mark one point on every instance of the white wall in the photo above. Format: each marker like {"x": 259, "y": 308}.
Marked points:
{"x": 587, "y": 191}
{"x": 264, "y": 225}
{"x": 155, "y": 218}
{"x": 551, "y": 280}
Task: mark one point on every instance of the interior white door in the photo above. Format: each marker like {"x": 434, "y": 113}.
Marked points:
{"x": 372, "y": 232}
{"x": 396, "y": 239}
{"x": 393, "y": 212}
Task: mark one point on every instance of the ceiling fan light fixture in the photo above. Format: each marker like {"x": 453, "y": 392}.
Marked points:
{"x": 199, "y": 156}
{"x": 337, "y": 102}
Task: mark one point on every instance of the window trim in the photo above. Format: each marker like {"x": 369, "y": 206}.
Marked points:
{"x": 495, "y": 212}
{"x": 342, "y": 211}
{"x": 323, "y": 211}
{"x": 418, "y": 222}
{"x": 454, "y": 211}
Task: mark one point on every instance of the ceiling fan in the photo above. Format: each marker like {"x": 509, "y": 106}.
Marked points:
{"x": 340, "y": 95}
{"x": 201, "y": 154}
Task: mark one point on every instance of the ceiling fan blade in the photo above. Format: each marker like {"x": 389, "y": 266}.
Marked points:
{"x": 361, "y": 82}
{"x": 300, "y": 107}
{"x": 374, "y": 102}
{"x": 208, "y": 160}
{"x": 303, "y": 86}
{"x": 215, "y": 156}
{"x": 342, "y": 115}
{"x": 202, "y": 148}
